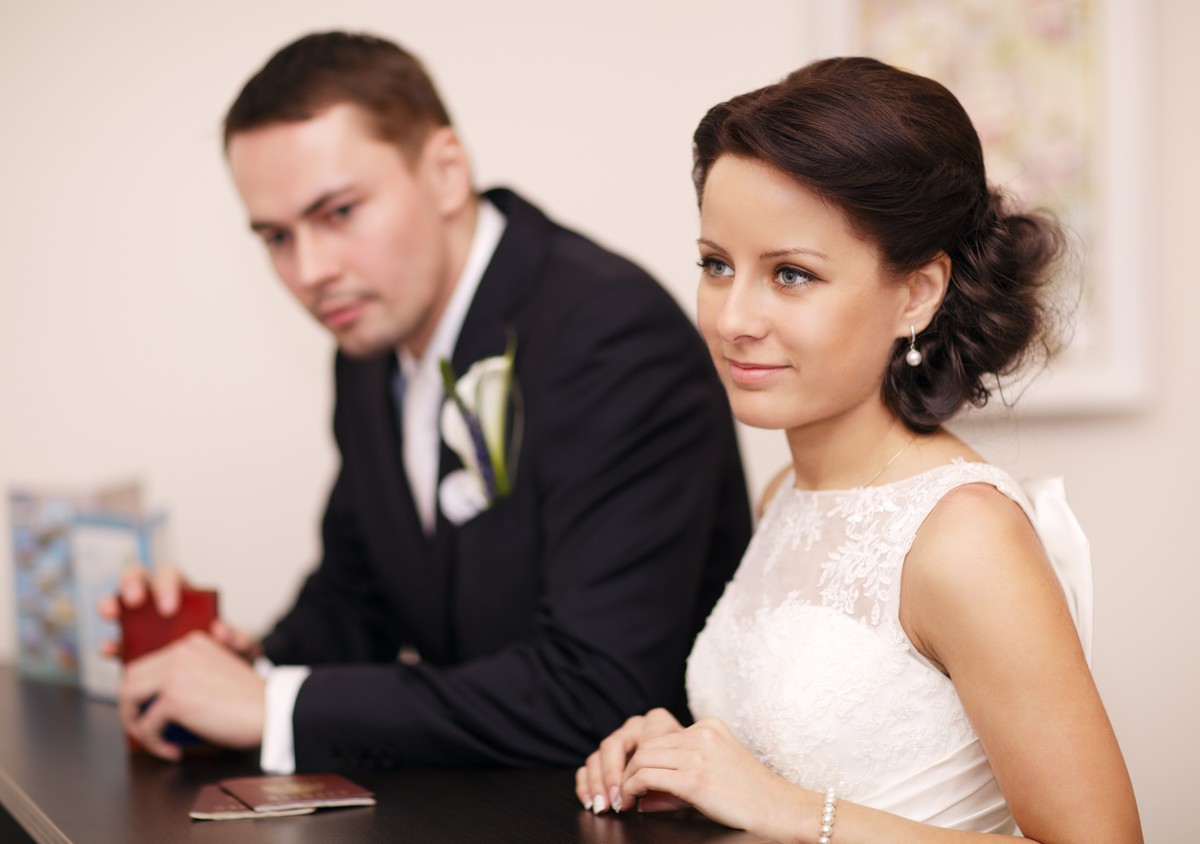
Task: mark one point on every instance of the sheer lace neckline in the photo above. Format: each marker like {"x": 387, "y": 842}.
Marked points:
{"x": 805, "y": 659}
{"x": 788, "y": 485}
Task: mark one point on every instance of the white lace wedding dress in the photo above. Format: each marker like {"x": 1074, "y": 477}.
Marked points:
{"x": 805, "y": 659}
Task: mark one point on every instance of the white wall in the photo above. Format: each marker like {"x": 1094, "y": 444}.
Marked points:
{"x": 142, "y": 334}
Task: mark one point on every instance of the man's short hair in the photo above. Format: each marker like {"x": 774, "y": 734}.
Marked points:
{"x": 325, "y": 69}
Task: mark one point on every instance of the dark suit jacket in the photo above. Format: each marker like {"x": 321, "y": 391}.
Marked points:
{"x": 548, "y": 619}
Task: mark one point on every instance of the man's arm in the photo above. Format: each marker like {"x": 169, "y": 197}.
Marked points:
{"x": 634, "y": 463}
{"x": 338, "y": 616}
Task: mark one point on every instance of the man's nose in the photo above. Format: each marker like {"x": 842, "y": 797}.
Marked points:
{"x": 317, "y": 260}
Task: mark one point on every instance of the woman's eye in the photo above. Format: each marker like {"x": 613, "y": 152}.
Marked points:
{"x": 792, "y": 276}
{"x": 715, "y": 267}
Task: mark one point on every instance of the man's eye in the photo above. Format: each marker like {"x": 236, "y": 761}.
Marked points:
{"x": 276, "y": 240}
{"x": 341, "y": 212}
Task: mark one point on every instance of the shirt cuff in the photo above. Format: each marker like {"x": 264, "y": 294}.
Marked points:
{"x": 278, "y": 754}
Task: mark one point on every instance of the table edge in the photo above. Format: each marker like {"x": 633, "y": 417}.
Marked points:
{"x": 26, "y": 813}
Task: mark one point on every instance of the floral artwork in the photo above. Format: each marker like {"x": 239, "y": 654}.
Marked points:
{"x": 1029, "y": 75}
{"x": 1025, "y": 70}
{"x": 1061, "y": 95}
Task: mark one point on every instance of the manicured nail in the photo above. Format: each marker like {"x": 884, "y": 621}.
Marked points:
{"x": 598, "y": 804}
{"x": 587, "y": 804}
{"x": 616, "y": 803}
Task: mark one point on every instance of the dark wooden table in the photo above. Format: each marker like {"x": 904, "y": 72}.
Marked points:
{"x": 66, "y": 776}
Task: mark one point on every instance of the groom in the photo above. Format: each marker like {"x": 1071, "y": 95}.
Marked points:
{"x": 526, "y": 627}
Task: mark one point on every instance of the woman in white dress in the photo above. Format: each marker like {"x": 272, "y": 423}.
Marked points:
{"x": 902, "y": 654}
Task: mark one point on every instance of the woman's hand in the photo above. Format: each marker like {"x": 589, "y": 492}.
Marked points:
{"x": 708, "y": 768}
{"x": 598, "y": 782}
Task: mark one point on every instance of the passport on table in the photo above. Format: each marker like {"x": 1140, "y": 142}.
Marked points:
{"x": 144, "y": 629}
{"x": 297, "y": 791}
{"x": 213, "y": 803}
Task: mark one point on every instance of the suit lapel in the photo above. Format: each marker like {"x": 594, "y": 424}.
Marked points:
{"x": 510, "y": 278}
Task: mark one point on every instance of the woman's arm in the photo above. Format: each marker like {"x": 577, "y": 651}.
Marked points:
{"x": 978, "y": 598}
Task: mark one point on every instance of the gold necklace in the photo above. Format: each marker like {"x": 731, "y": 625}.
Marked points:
{"x": 893, "y": 459}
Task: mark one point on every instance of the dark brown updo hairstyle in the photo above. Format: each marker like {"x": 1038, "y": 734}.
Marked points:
{"x": 897, "y": 154}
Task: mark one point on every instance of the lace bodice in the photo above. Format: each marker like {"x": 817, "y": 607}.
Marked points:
{"x": 805, "y": 659}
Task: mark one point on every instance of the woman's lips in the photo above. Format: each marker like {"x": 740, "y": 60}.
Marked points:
{"x": 748, "y": 374}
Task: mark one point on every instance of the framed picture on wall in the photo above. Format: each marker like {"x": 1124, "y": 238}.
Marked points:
{"x": 1059, "y": 92}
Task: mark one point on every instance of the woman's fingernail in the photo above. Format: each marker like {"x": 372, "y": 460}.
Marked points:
{"x": 598, "y": 804}
{"x": 616, "y": 803}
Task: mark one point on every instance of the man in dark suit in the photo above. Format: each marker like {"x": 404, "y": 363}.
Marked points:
{"x": 509, "y": 624}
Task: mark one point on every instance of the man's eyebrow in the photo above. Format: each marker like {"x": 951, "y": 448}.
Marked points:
{"x": 310, "y": 209}
{"x": 773, "y": 253}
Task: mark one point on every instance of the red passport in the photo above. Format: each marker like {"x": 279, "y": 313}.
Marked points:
{"x": 144, "y": 629}
{"x": 213, "y": 803}
{"x": 297, "y": 791}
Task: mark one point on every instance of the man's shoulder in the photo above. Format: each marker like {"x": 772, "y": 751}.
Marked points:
{"x": 565, "y": 250}
{"x": 566, "y": 298}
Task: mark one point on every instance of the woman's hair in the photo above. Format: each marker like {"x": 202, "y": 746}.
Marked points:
{"x": 330, "y": 68}
{"x": 897, "y": 154}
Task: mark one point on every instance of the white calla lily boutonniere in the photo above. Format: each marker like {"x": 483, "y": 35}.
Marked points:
{"x": 474, "y": 424}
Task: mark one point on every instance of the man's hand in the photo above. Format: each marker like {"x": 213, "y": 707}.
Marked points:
{"x": 135, "y": 589}
{"x": 197, "y": 683}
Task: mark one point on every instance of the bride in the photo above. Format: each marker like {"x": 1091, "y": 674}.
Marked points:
{"x": 898, "y": 655}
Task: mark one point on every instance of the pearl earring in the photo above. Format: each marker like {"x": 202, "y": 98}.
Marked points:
{"x": 913, "y": 356}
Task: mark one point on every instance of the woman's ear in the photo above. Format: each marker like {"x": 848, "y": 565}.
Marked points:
{"x": 926, "y": 287}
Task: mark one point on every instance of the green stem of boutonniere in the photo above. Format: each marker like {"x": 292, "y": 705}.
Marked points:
{"x": 496, "y": 450}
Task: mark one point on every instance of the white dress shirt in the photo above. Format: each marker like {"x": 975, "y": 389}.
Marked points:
{"x": 420, "y": 414}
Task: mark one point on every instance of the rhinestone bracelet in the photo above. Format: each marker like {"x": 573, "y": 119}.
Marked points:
{"x": 827, "y": 814}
